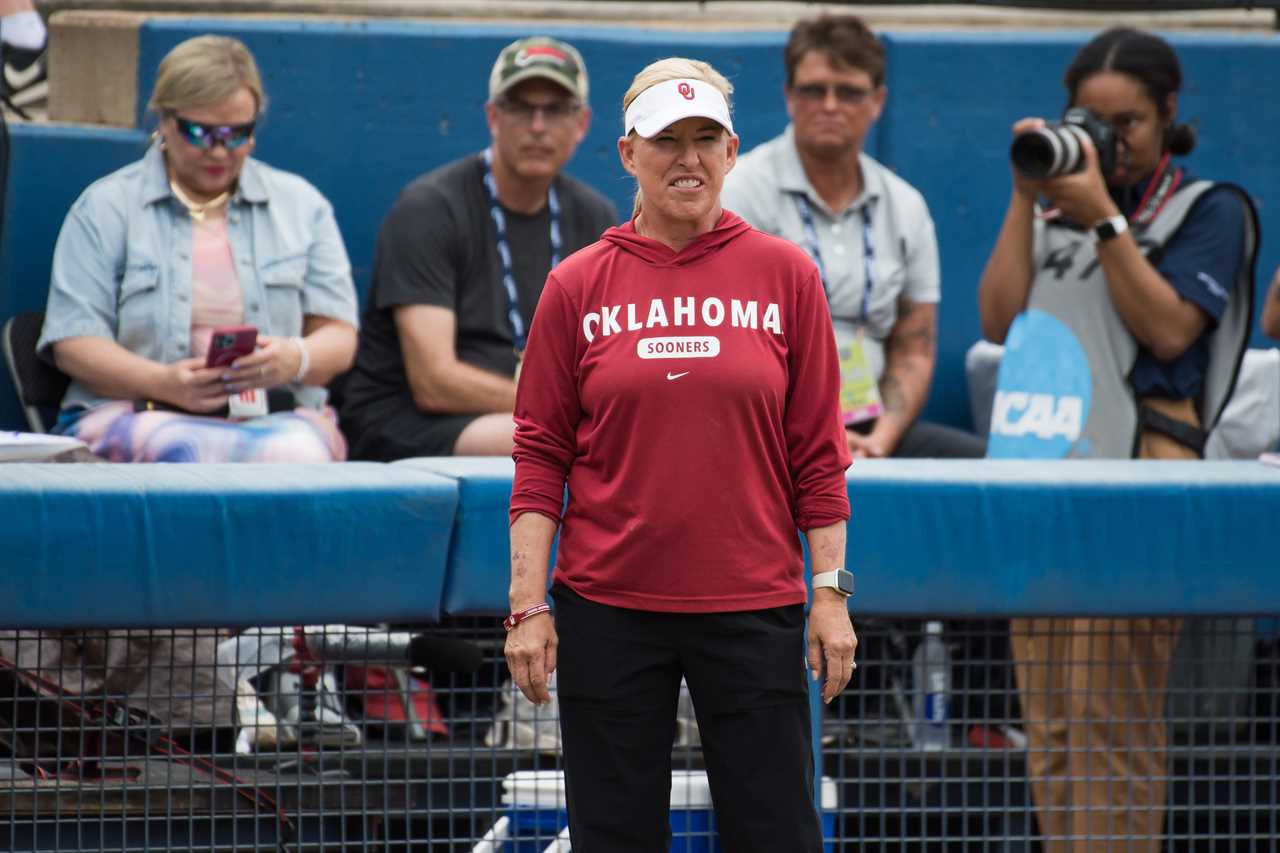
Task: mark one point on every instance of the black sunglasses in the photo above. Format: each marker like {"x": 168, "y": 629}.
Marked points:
{"x": 230, "y": 136}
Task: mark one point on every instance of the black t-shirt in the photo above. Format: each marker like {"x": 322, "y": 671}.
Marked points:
{"x": 437, "y": 246}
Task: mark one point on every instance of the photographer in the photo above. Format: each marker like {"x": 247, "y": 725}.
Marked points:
{"x": 1124, "y": 308}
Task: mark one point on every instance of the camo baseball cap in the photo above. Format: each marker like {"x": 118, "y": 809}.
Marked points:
{"x": 539, "y": 56}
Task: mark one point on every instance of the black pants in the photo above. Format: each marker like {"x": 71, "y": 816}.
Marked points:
{"x": 927, "y": 440}
{"x": 618, "y": 683}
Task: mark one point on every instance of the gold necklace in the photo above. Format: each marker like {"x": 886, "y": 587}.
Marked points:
{"x": 195, "y": 208}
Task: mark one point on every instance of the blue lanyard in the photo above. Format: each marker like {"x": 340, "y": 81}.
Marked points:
{"x": 518, "y": 334}
{"x": 868, "y": 251}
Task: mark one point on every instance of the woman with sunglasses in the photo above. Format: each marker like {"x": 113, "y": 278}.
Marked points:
{"x": 1124, "y": 305}
{"x": 198, "y": 236}
{"x": 681, "y": 379}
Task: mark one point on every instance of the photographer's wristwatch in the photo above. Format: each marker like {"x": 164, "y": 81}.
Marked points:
{"x": 838, "y": 579}
{"x": 1109, "y": 228}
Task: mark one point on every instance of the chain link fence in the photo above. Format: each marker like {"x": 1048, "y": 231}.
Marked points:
{"x": 334, "y": 739}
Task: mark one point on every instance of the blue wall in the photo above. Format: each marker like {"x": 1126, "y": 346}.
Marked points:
{"x": 49, "y": 165}
{"x": 360, "y": 108}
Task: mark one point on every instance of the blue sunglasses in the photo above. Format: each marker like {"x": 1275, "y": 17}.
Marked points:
{"x": 230, "y": 136}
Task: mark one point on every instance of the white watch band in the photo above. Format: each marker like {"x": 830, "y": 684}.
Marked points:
{"x": 838, "y": 579}
{"x": 1109, "y": 228}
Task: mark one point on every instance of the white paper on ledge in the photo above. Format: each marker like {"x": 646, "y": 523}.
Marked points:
{"x": 34, "y": 446}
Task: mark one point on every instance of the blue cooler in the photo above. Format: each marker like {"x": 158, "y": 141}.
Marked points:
{"x": 536, "y": 815}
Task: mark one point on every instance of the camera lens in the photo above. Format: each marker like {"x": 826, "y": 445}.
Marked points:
{"x": 1047, "y": 152}
{"x": 1034, "y": 154}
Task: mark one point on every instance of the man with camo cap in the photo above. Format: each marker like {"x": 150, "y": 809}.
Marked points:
{"x": 460, "y": 262}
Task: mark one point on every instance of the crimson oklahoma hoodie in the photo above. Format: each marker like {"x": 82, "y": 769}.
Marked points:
{"x": 690, "y": 400}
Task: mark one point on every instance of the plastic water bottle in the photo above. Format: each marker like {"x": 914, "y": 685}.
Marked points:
{"x": 931, "y": 690}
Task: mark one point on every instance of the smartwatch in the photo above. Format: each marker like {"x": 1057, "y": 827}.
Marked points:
{"x": 838, "y": 579}
{"x": 1109, "y": 228}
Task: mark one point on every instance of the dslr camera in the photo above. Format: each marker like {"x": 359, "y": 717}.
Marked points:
{"x": 1057, "y": 148}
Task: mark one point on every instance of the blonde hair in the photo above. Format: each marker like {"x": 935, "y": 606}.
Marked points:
{"x": 202, "y": 71}
{"x": 674, "y": 68}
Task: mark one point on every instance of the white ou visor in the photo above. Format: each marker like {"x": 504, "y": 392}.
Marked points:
{"x": 665, "y": 103}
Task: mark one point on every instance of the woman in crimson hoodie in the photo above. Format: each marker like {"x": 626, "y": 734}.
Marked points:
{"x": 681, "y": 379}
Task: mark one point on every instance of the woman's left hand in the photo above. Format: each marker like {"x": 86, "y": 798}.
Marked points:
{"x": 832, "y": 642}
{"x": 275, "y": 362}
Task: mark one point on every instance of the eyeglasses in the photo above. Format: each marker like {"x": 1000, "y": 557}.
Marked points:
{"x": 553, "y": 113}
{"x": 230, "y": 136}
{"x": 817, "y": 93}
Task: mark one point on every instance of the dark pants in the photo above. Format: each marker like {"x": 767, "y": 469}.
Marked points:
{"x": 618, "y": 680}
{"x": 399, "y": 431}
{"x": 927, "y": 440}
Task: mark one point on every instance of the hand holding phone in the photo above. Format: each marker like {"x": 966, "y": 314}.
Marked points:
{"x": 229, "y": 343}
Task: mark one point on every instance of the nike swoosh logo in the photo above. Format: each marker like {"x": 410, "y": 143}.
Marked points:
{"x": 17, "y": 80}
{"x": 677, "y": 375}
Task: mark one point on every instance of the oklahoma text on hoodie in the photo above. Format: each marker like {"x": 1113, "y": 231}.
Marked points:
{"x": 690, "y": 400}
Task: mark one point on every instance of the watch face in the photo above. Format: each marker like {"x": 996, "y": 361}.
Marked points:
{"x": 844, "y": 582}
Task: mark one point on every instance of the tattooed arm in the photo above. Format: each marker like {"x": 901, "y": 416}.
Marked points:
{"x": 909, "y": 354}
{"x": 1271, "y": 309}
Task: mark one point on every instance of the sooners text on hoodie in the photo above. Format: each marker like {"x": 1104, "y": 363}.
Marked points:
{"x": 690, "y": 401}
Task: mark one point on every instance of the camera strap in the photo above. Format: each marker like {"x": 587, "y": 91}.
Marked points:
{"x": 1164, "y": 182}
{"x": 868, "y": 252}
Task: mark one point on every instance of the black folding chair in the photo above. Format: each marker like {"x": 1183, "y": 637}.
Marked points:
{"x": 40, "y": 385}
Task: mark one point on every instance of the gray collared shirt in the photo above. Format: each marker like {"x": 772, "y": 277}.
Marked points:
{"x": 763, "y": 189}
{"x": 122, "y": 264}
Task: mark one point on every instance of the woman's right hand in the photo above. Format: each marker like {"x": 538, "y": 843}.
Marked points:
{"x": 531, "y": 656}
{"x": 190, "y": 385}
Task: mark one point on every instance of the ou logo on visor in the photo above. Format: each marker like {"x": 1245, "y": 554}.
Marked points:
{"x": 686, "y": 91}
{"x": 1044, "y": 391}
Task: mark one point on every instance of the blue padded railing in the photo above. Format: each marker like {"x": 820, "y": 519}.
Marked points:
{"x": 148, "y": 546}
{"x": 987, "y": 537}
{"x": 177, "y": 545}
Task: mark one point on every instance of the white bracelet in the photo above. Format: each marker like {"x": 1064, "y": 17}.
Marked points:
{"x": 305, "y": 364}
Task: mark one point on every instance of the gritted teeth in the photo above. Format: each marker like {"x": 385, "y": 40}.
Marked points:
{"x": 687, "y": 183}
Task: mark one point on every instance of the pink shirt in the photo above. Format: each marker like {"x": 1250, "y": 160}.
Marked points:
{"x": 216, "y": 298}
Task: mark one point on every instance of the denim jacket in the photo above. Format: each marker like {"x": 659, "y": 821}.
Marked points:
{"x": 122, "y": 264}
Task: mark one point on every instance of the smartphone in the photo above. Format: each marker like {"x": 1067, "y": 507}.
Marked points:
{"x": 229, "y": 343}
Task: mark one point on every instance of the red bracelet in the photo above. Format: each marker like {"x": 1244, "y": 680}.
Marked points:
{"x": 529, "y": 612}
